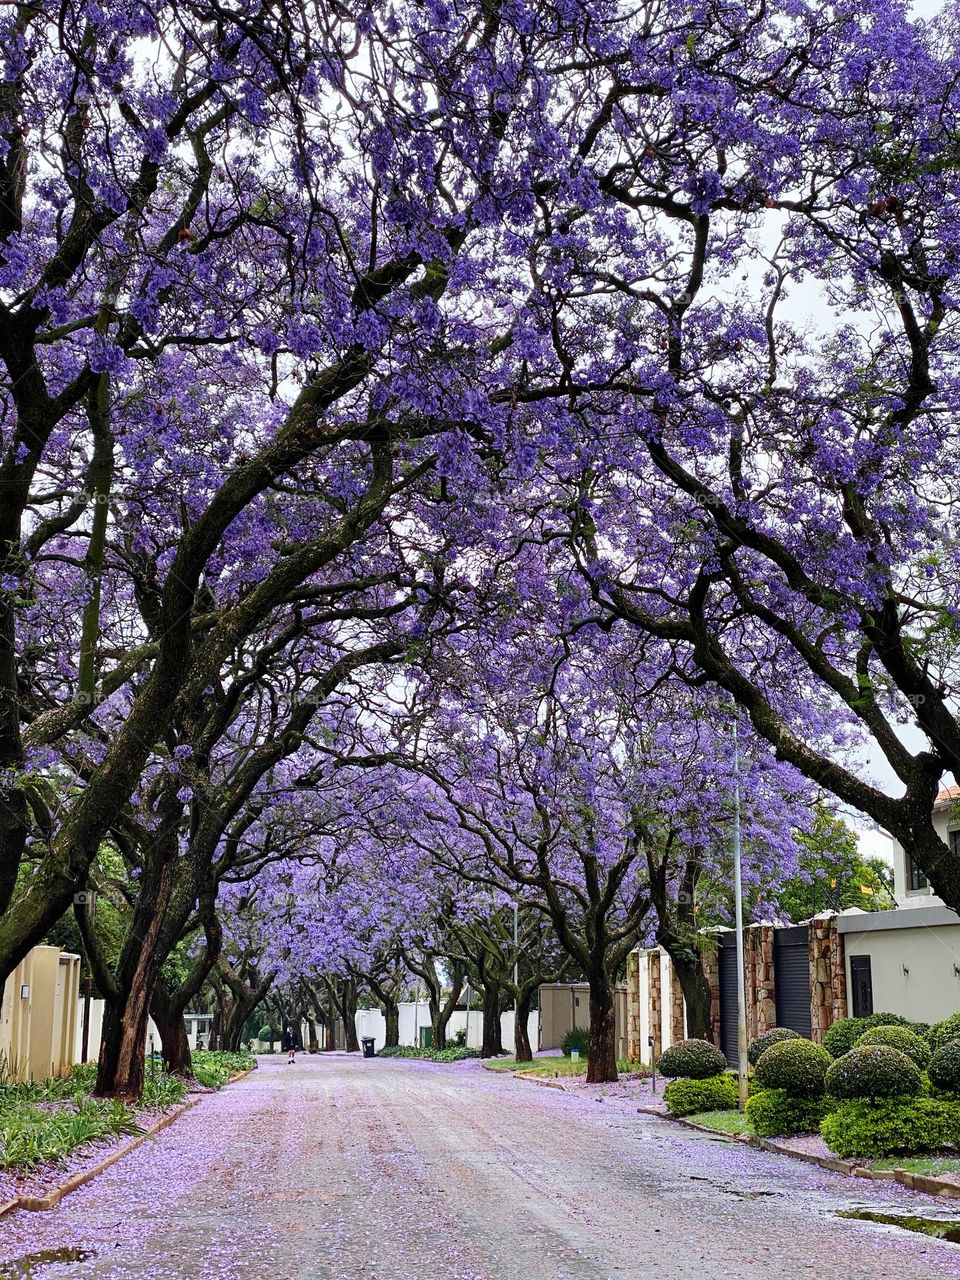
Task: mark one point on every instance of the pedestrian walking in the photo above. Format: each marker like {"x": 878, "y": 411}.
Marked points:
{"x": 288, "y": 1041}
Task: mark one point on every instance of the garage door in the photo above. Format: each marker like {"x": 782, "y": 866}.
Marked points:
{"x": 728, "y": 998}
{"x": 791, "y": 972}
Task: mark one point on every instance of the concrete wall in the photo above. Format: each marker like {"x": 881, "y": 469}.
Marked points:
{"x": 38, "y": 1015}
{"x": 564, "y": 1005}
{"x": 924, "y": 943}
{"x": 371, "y": 1023}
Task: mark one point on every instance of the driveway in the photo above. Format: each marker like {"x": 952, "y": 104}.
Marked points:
{"x": 342, "y": 1168}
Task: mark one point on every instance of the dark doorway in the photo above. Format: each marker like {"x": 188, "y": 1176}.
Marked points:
{"x": 791, "y": 976}
{"x": 861, "y": 980}
{"x": 728, "y": 997}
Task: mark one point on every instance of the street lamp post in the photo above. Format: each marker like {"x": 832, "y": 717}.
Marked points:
{"x": 738, "y": 899}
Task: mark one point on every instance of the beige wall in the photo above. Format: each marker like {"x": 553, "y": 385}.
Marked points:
{"x": 564, "y": 1005}
{"x": 930, "y": 952}
{"x": 38, "y": 1015}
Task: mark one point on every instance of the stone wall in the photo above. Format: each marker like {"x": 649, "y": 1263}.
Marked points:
{"x": 635, "y": 1051}
{"x": 759, "y": 979}
{"x": 654, "y": 997}
{"x": 677, "y": 1008}
{"x": 828, "y": 975}
{"x": 710, "y": 959}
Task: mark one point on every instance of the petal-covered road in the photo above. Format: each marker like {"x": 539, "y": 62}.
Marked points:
{"x": 346, "y": 1169}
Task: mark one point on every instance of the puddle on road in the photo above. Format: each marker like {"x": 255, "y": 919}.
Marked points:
{"x": 32, "y": 1264}
{"x": 939, "y": 1228}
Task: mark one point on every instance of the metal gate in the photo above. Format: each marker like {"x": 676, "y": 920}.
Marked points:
{"x": 728, "y": 996}
{"x": 791, "y": 975}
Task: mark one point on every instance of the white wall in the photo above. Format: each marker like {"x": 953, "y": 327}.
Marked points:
{"x": 945, "y": 821}
{"x": 371, "y": 1022}
{"x": 929, "y": 990}
{"x": 96, "y": 1027}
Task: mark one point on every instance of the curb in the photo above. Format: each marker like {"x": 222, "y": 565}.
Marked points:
{"x": 543, "y": 1081}
{"x": 913, "y": 1181}
{"x": 43, "y": 1204}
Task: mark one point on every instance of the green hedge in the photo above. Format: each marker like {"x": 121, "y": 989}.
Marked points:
{"x": 692, "y": 1059}
{"x": 945, "y": 1068}
{"x": 875, "y": 1071}
{"x": 762, "y": 1043}
{"x": 796, "y": 1066}
{"x": 716, "y": 1093}
{"x": 943, "y": 1032}
{"x": 429, "y": 1055}
{"x": 867, "y": 1130}
{"x": 773, "y": 1113}
{"x": 843, "y": 1035}
{"x": 902, "y": 1038}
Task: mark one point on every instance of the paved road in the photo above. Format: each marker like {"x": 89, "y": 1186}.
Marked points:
{"x": 345, "y": 1169}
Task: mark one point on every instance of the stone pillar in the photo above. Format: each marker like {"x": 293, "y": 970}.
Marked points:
{"x": 634, "y": 1048}
{"x": 828, "y": 975}
{"x": 758, "y": 943}
{"x": 654, "y": 998}
{"x": 710, "y": 960}
{"x": 677, "y": 1008}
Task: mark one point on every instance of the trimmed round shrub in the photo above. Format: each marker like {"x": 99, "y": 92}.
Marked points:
{"x": 773, "y": 1113}
{"x": 875, "y": 1071}
{"x": 944, "y": 1069}
{"x": 576, "y": 1038}
{"x": 266, "y": 1034}
{"x": 688, "y": 1097}
{"x": 943, "y": 1032}
{"x": 868, "y": 1130}
{"x": 762, "y": 1043}
{"x": 901, "y": 1038}
{"x": 692, "y": 1059}
{"x": 843, "y": 1035}
{"x": 796, "y": 1066}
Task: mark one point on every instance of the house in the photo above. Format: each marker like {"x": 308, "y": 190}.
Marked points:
{"x": 910, "y": 886}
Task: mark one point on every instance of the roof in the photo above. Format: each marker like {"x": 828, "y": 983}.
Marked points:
{"x": 949, "y": 795}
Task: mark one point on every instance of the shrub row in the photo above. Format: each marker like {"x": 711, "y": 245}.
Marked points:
{"x": 774, "y": 1113}
{"x": 866, "y": 1130}
{"x": 715, "y": 1093}
{"x": 430, "y": 1055}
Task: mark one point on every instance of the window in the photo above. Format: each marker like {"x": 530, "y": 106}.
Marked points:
{"x": 955, "y": 842}
{"x": 917, "y": 879}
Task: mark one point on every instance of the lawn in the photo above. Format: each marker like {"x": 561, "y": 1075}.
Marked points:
{"x": 932, "y": 1165}
{"x": 728, "y": 1121}
{"x": 553, "y": 1068}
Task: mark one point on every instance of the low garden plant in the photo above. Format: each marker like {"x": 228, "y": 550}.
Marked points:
{"x": 686, "y": 1097}
{"x": 863, "y": 1129}
{"x": 762, "y": 1043}
{"x": 773, "y": 1113}
{"x": 944, "y": 1068}
{"x": 576, "y": 1039}
{"x": 843, "y": 1035}
{"x": 430, "y": 1055}
{"x": 875, "y": 1071}
{"x": 902, "y": 1038}
{"x": 943, "y": 1032}
{"x": 32, "y": 1133}
{"x": 692, "y": 1059}
{"x": 797, "y": 1066}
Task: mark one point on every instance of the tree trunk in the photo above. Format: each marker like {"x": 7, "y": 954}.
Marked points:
{"x": 123, "y": 1044}
{"x": 330, "y": 1031}
{"x": 695, "y": 986}
{"x": 602, "y": 1050}
{"x": 492, "y": 1032}
{"x": 215, "y": 1030}
{"x": 174, "y": 1045}
{"x": 349, "y": 1012}
{"x": 522, "y": 1050}
{"x": 391, "y": 1014}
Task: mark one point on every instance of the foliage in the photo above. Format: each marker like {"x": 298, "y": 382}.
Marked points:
{"x": 943, "y": 1032}
{"x": 774, "y": 1113}
{"x": 693, "y": 1059}
{"x": 762, "y": 1043}
{"x": 429, "y": 1055}
{"x": 833, "y": 874}
{"x": 796, "y": 1066}
{"x": 944, "y": 1068}
{"x": 233, "y": 1063}
{"x": 876, "y": 1071}
{"x": 902, "y": 1038}
{"x": 684, "y": 1097}
{"x": 32, "y": 1132}
{"x": 267, "y": 1034}
{"x": 867, "y": 1129}
{"x": 577, "y": 1038}
{"x": 843, "y": 1035}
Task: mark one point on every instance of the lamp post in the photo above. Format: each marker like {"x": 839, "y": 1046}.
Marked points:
{"x": 738, "y": 900}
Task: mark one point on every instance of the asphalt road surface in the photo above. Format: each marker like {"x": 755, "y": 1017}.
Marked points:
{"x": 341, "y": 1168}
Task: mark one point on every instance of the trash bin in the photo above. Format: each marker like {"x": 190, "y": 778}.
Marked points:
{"x": 368, "y": 1042}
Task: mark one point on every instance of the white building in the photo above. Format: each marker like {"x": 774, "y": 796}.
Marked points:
{"x": 910, "y": 886}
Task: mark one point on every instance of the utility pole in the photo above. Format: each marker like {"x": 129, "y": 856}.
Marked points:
{"x": 738, "y": 899}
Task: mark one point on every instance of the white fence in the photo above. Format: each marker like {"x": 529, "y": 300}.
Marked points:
{"x": 371, "y": 1023}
